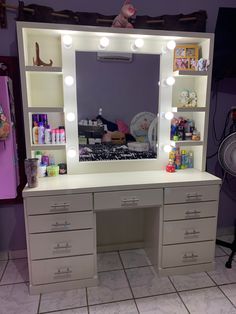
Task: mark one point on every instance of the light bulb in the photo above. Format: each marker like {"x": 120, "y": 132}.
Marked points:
{"x": 169, "y": 115}
{"x": 69, "y": 80}
{"x": 104, "y": 42}
{"x": 139, "y": 43}
{"x": 71, "y": 153}
{"x": 167, "y": 148}
{"x": 67, "y": 41}
{"x": 171, "y": 45}
{"x": 70, "y": 116}
{"x": 170, "y": 81}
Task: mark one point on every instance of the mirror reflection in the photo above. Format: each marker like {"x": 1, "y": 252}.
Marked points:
{"x": 117, "y": 99}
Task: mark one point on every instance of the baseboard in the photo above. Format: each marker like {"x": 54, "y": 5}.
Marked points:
{"x": 224, "y": 231}
{"x": 3, "y": 256}
{"x": 16, "y": 254}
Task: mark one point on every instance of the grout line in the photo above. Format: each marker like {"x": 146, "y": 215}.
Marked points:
{"x": 62, "y": 310}
{"x": 4, "y": 269}
{"x": 226, "y": 296}
{"x": 13, "y": 283}
{"x": 177, "y": 292}
{"x": 86, "y": 291}
{"x": 40, "y": 295}
{"x": 128, "y": 282}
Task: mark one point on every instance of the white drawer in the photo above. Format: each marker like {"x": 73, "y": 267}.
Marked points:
{"x": 63, "y": 269}
{"x": 190, "y": 211}
{"x": 189, "y": 230}
{"x": 58, "y": 244}
{"x": 128, "y": 199}
{"x": 60, "y": 222}
{"x": 188, "y": 254}
{"x": 58, "y": 203}
{"x": 191, "y": 194}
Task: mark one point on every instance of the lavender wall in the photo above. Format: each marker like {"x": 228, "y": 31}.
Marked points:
{"x": 116, "y": 87}
{"x": 14, "y": 237}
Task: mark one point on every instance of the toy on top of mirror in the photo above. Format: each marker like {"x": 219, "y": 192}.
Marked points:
{"x": 187, "y": 99}
{"x": 126, "y": 12}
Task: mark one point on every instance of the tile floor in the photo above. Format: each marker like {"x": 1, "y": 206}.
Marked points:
{"x": 127, "y": 285}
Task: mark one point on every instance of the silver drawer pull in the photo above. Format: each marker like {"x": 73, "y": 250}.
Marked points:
{"x": 63, "y": 271}
{"x": 190, "y": 256}
{"x": 60, "y": 246}
{"x": 195, "y": 195}
{"x": 130, "y": 201}
{"x": 193, "y": 212}
{"x": 63, "y": 224}
{"x": 193, "y": 232}
{"x": 62, "y": 206}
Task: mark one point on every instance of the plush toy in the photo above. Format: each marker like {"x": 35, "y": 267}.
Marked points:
{"x": 122, "y": 20}
{"x": 202, "y": 64}
{"x": 184, "y": 98}
{"x": 193, "y": 99}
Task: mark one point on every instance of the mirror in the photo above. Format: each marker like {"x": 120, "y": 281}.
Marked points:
{"x": 117, "y": 99}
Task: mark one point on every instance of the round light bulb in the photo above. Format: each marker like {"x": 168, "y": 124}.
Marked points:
{"x": 139, "y": 43}
{"x": 167, "y": 148}
{"x": 69, "y": 80}
{"x": 67, "y": 41}
{"x": 104, "y": 42}
{"x": 70, "y": 116}
{"x": 169, "y": 115}
{"x": 71, "y": 153}
{"x": 170, "y": 81}
{"x": 171, "y": 45}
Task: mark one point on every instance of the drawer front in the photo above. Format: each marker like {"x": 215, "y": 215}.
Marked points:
{"x": 128, "y": 199}
{"x": 58, "y": 203}
{"x": 189, "y": 230}
{"x": 191, "y": 194}
{"x": 190, "y": 211}
{"x": 188, "y": 254}
{"x": 58, "y": 244}
{"x": 62, "y": 269}
{"x": 60, "y": 222}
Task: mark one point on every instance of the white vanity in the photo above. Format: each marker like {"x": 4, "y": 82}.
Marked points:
{"x": 110, "y": 205}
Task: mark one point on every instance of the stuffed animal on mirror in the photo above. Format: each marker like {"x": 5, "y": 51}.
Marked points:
{"x": 126, "y": 12}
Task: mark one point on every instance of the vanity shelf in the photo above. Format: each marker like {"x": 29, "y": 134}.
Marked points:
{"x": 186, "y": 143}
{"x": 43, "y": 69}
{"x": 188, "y": 109}
{"x": 45, "y": 109}
{"x": 47, "y": 146}
{"x": 190, "y": 73}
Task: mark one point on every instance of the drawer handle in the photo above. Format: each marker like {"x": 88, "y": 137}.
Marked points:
{"x": 63, "y": 271}
{"x": 60, "y": 246}
{"x": 64, "y": 224}
{"x": 194, "y": 212}
{"x": 130, "y": 201}
{"x": 62, "y": 206}
{"x": 195, "y": 195}
{"x": 190, "y": 256}
{"x": 193, "y": 232}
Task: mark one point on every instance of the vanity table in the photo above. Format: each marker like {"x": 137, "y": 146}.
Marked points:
{"x": 121, "y": 204}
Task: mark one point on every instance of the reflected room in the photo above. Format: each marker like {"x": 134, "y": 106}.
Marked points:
{"x": 117, "y": 99}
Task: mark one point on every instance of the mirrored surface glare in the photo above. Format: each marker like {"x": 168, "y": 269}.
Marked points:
{"x": 171, "y": 45}
{"x": 167, "y": 148}
{"x": 70, "y": 116}
{"x": 169, "y": 115}
{"x": 71, "y": 153}
{"x": 69, "y": 80}
{"x": 170, "y": 81}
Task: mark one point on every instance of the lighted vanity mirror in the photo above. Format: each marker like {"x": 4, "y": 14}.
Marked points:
{"x": 117, "y": 105}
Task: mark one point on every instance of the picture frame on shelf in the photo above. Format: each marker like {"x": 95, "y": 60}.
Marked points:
{"x": 185, "y": 57}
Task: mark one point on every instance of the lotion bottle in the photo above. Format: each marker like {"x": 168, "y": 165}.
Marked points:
{"x": 35, "y": 133}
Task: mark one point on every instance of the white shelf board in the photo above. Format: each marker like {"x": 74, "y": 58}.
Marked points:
{"x": 188, "y": 109}
{"x": 45, "y": 109}
{"x": 48, "y": 146}
{"x": 186, "y": 143}
{"x": 190, "y": 73}
{"x": 43, "y": 69}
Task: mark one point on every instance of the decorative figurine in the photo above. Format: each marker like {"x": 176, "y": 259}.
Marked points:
{"x": 202, "y": 64}
{"x": 122, "y": 19}
{"x": 184, "y": 98}
{"x": 193, "y": 99}
{"x": 37, "y": 61}
{"x": 170, "y": 167}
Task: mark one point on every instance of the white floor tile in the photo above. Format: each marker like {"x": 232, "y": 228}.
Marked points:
{"x": 82, "y": 310}
{"x": 230, "y": 292}
{"x": 207, "y": 301}
{"x": 15, "y": 299}
{"x": 134, "y": 258}
{"x": 16, "y": 272}
{"x": 108, "y": 261}
{"x": 192, "y": 281}
{"x": 2, "y": 267}
{"x": 162, "y": 304}
{"x": 124, "y": 307}
{"x": 145, "y": 282}
{"x": 63, "y": 300}
{"x": 221, "y": 274}
{"x": 113, "y": 286}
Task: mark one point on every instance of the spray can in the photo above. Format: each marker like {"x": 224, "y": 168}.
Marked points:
{"x": 190, "y": 159}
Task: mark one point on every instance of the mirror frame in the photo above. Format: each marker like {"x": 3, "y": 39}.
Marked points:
{"x": 121, "y": 40}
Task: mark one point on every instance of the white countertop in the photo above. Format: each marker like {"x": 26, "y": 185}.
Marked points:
{"x": 67, "y": 184}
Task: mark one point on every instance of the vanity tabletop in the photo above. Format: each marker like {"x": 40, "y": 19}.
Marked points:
{"x": 99, "y": 182}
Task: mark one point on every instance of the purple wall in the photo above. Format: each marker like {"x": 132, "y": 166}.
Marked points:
{"x": 14, "y": 237}
{"x": 116, "y": 87}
